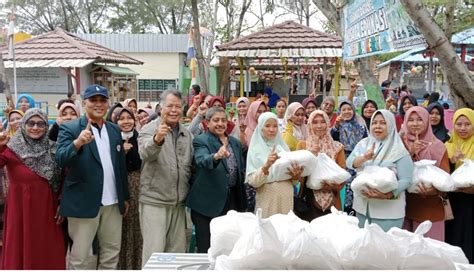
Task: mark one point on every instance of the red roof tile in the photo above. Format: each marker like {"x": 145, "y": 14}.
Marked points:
{"x": 288, "y": 34}
{"x": 59, "y": 44}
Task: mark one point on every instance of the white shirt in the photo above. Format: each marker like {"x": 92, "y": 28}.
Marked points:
{"x": 109, "y": 191}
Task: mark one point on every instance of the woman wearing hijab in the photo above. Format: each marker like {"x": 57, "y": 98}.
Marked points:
{"x": 256, "y": 108}
{"x": 132, "y": 242}
{"x": 67, "y": 112}
{"x": 327, "y": 106}
{"x": 132, "y": 104}
{"x": 320, "y": 141}
{"x": 25, "y": 102}
{"x": 239, "y": 121}
{"x": 368, "y": 109}
{"x": 309, "y": 105}
{"x": 383, "y": 147}
{"x": 406, "y": 103}
{"x": 33, "y": 238}
{"x": 348, "y": 130}
{"x": 144, "y": 116}
{"x": 422, "y": 144}
{"x": 436, "y": 112}
{"x": 14, "y": 120}
{"x": 112, "y": 114}
{"x": 295, "y": 128}
{"x": 459, "y": 231}
{"x": 272, "y": 196}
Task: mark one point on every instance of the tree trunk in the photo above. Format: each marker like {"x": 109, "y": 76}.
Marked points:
{"x": 458, "y": 76}
{"x": 4, "y": 86}
{"x": 197, "y": 45}
{"x": 369, "y": 80}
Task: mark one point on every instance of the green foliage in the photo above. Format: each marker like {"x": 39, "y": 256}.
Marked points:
{"x": 162, "y": 16}
{"x": 35, "y": 17}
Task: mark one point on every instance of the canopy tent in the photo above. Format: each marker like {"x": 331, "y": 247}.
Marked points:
{"x": 286, "y": 46}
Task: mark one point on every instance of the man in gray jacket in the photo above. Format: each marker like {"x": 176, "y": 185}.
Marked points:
{"x": 166, "y": 150}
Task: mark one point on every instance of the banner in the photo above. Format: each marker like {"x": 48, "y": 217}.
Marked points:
{"x": 373, "y": 27}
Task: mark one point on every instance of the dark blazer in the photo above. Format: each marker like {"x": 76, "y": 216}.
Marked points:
{"x": 210, "y": 187}
{"x": 82, "y": 190}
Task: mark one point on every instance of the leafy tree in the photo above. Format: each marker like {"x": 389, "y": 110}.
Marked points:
{"x": 142, "y": 16}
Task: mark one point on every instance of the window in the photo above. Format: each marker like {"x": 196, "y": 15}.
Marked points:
{"x": 149, "y": 90}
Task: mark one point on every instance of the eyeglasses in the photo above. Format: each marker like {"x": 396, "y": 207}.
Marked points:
{"x": 39, "y": 124}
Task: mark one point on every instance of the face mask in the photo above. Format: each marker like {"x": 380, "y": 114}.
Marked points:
{"x": 127, "y": 135}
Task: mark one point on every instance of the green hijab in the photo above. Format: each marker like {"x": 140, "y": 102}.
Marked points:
{"x": 260, "y": 148}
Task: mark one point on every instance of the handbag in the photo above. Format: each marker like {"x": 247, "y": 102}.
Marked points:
{"x": 448, "y": 211}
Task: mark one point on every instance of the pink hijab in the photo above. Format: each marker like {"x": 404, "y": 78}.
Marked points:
{"x": 251, "y": 120}
{"x": 324, "y": 144}
{"x": 434, "y": 148}
{"x": 299, "y": 132}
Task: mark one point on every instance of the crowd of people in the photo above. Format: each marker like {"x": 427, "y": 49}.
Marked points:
{"x": 116, "y": 180}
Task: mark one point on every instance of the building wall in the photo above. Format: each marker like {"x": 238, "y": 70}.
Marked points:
{"x": 156, "y": 65}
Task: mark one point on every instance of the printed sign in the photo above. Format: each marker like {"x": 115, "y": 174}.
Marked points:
{"x": 373, "y": 27}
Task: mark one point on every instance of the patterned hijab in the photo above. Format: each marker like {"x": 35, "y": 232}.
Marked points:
{"x": 299, "y": 132}
{"x": 251, "y": 119}
{"x": 466, "y": 145}
{"x": 324, "y": 144}
{"x": 37, "y": 155}
{"x": 439, "y": 130}
{"x": 351, "y": 131}
{"x": 260, "y": 148}
{"x": 434, "y": 148}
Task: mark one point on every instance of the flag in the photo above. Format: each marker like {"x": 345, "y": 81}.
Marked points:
{"x": 191, "y": 50}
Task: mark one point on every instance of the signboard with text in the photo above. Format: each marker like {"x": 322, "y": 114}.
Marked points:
{"x": 40, "y": 80}
{"x": 373, "y": 27}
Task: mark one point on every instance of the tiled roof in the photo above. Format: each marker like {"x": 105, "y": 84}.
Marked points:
{"x": 59, "y": 44}
{"x": 286, "y": 35}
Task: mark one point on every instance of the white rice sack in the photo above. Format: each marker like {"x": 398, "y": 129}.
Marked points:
{"x": 227, "y": 230}
{"x": 380, "y": 178}
{"x": 428, "y": 174}
{"x": 419, "y": 252}
{"x": 462, "y": 176}
{"x": 279, "y": 170}
{"x": 326, "y": 170}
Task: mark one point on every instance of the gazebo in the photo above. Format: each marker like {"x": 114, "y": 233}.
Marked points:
{"x": 288, "y": 51}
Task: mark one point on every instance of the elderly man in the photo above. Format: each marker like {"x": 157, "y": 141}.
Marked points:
{"x": 165, "y": 147}
{"x": 95, "y": 190}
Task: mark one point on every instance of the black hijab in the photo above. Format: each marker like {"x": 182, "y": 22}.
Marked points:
{"x": 412, "y": 100}
{"x": 132, "y": 158}
{"x": 440, "y": 130}
{"x": 367, "y": 120}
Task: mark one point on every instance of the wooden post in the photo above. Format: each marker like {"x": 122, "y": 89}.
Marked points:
{"x": 337, "y": 79}
{"x": 241, "y": 68}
